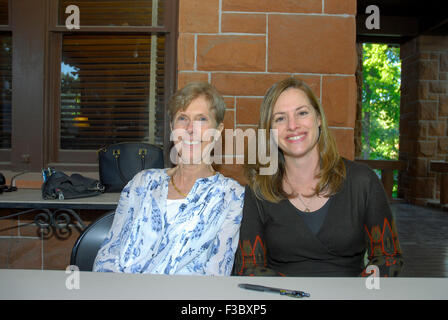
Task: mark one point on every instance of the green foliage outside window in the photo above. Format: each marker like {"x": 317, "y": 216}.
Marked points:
{"x": 381, "y": 102}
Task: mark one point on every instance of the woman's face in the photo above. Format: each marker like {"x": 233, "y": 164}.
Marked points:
{"x": 297, "y": 123}
{"x": 194, "y": 129}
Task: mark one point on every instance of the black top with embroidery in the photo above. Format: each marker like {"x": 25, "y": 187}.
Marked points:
{"x": 315, "y": 219}
{"x": 275, "y": 240}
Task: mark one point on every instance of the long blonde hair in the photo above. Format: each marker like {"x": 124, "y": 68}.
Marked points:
{"x": 332, "y": 169}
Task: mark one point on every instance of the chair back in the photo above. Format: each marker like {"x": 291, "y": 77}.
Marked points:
{"x": 89, "y": 242}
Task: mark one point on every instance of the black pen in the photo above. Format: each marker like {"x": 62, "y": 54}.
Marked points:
{"x": 283, "y": 292}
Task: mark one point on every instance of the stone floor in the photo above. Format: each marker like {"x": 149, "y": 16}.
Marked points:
{"x": 423, "y": 235}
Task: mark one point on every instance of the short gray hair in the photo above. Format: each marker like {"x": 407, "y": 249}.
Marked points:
{"x": 183, "y": 97}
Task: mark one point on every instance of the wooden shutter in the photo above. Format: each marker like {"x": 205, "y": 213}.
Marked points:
{"x": 4, "y": 18}
{"x": 5, "y": 89}
{"x": 115, "y": 12}
{"x": 112, "y": 89}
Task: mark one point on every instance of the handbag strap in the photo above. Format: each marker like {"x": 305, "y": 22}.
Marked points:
{"x": 116, "y": 154}
{"x": 142, "y": 153}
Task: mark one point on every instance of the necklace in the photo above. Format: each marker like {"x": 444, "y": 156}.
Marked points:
{"x": 307, "y": 209}
{"x": 176, "y": 188}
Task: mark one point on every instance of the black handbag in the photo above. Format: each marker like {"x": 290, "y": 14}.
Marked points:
{"x": 119, "y": 163}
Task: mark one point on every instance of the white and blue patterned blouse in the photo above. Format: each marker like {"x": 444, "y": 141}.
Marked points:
{"x": 200, "y": 239}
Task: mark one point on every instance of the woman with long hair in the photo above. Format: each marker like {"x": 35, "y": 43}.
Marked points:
{"x": 319, "y": 213}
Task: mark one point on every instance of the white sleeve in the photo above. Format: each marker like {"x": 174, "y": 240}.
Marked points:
{"x": 226, "y": 242}
{"x": 107, "y": 259}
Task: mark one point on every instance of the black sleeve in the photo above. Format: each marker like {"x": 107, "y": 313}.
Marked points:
{"x": 251, "y": 255}
{"x": 381, "y": 235}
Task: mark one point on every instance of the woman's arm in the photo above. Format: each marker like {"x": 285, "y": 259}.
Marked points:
{"x": 107, "y": 259}
{"x": 226, "y": 242}
{"x": 383, "y": 247}
{"x": 251, "y": 255}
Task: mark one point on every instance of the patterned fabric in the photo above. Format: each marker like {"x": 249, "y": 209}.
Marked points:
{"x": 384, "y": 249}
{"x": 201, "y": 238}
{"x": 252, "y": 260}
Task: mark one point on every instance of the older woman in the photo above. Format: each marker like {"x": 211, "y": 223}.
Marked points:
{"x": 182, "y": 220}
{"x": 319, "y": 213}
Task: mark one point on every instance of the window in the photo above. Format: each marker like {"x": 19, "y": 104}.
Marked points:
{"x": 112, "y": 82}
{"x": 109, "y": 90}
{"x": 106, "y": 82}
{"x": 115, "y": 12}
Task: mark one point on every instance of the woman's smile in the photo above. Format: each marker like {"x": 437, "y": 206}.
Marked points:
{"x": 297, "y": 123}
{"x": 296, "y": 138}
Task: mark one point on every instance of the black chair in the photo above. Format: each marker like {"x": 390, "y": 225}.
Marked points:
{"x": 89, "y": 242}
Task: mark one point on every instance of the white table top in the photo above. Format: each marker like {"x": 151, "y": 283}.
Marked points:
{"x": 38, "y": 284}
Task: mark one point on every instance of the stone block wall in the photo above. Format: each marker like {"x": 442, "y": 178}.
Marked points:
{"x": 424, "y": 116}
{"x": 244, "y": 46}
